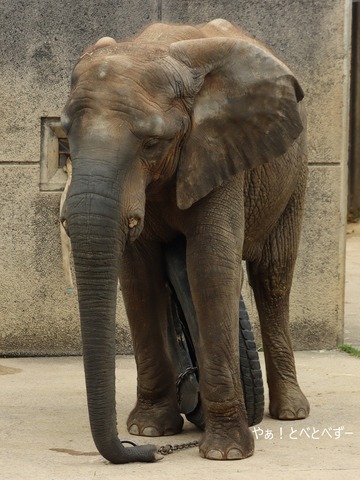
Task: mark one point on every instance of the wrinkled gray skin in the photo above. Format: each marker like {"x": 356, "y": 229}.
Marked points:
{"x": 198, "y": 131}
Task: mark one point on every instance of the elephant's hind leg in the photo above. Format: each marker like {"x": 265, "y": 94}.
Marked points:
{"x": 271, "y": 279}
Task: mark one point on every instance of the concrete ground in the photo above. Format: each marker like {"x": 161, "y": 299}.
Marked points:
{"x": 44, "y": 431}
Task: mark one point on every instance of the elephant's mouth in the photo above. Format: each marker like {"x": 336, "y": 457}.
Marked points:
{"x": 133, "y": 222}
{"x": 135, "y": 225}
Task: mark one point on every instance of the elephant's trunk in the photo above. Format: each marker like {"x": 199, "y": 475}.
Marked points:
{"x": 98, "y": 236}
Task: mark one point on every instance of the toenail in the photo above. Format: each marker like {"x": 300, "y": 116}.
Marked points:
{"x": 286, "y": 415}
{"x": 151, "y": 432}
{"x": 134, "y": 430}
{"x": 301, "y": 413}
{"x": 234, "y": 454}
{"x": 214, "y": 455}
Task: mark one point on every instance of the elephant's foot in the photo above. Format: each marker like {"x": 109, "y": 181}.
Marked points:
{"x": 227, "y": 443}
{"x": 289, "y": 403}
{"x": 154, "y": 419}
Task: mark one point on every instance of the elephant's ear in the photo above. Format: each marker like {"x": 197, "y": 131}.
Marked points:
{"x": 244, "y": 112}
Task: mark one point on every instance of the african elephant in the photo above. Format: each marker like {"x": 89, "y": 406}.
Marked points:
{"x": 193, "y": 131}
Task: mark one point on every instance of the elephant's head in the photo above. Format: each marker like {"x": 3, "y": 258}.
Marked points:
{"x": 141, "y": 115}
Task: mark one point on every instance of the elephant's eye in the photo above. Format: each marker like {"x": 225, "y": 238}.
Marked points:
{"x": 151, "y": 143}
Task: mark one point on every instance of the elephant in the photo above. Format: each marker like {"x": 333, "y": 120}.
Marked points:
{"x": 65, "y": 240}
{"x": 198, "y": 132}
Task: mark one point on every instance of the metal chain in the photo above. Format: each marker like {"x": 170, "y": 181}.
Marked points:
{"x": 180, "y": 379}
{"x": 167, "y": 449}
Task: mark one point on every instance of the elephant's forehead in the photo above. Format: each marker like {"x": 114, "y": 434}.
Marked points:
{"x": 151, "y": 124}
{"x": 132, "y": 66}
{"x": 119, "y": 84}
{"x": 104, "y": 68}
{"x": 120, "y": 64}
{"x": 125, "y": 77}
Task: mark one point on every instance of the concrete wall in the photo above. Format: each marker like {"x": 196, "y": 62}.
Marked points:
{"x": 354, "y": 154}
{"x": 40, "y": 41}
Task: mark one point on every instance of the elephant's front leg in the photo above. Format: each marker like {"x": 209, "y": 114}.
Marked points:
{"x": 143, "y": 286}
{"x": 214, "y": 269}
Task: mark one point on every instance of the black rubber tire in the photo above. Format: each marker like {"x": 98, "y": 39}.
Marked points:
{"x": 250, "y": 368}
{"x": 251, "y": 377}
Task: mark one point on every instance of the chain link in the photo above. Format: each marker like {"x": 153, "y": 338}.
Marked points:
{"x": 167, "y": 449}
{"x": 181, "y": 378}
